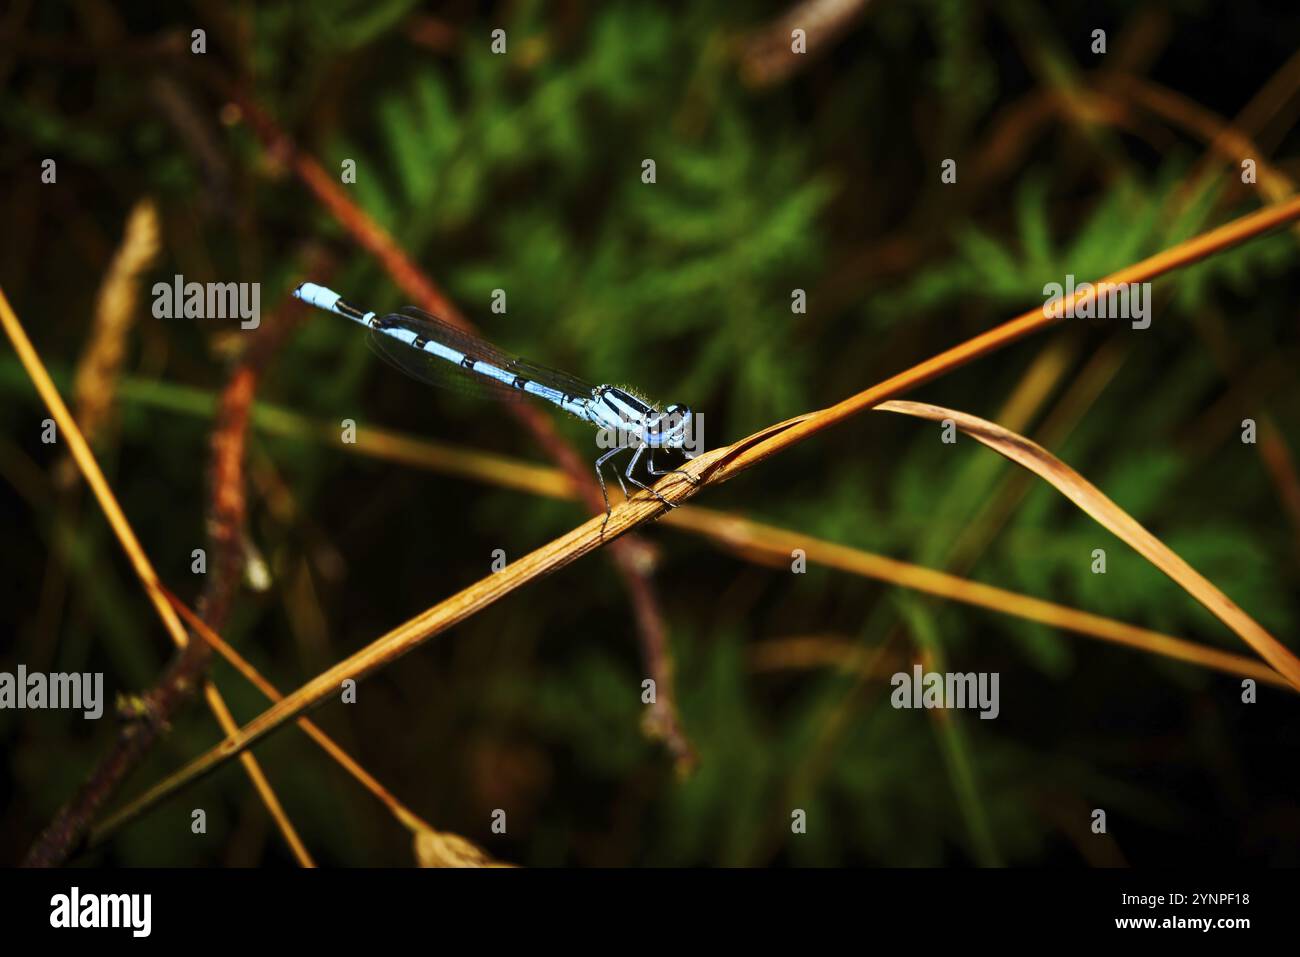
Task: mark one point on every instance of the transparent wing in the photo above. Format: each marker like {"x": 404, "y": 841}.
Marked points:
{"x": 464, "y": 342}
{"x": 441, "y": 373}
{"x": 439, "y": 330}
{"x": 437, "y": 372}
{"x": 553, "y": 378}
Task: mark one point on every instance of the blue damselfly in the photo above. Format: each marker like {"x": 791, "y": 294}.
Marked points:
{"x": 429, "y": 349}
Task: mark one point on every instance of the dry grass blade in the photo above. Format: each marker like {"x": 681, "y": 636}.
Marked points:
{"x": 439, "y": 849}
{"x": 1081, "y": 492}
{"x": 709, "y": 468}
{"x": 404, "y": 815}
{"x": 85, "y": 459}
{"x": 94, "y": 386}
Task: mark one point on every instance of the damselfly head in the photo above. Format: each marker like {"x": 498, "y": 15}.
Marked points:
{"x": 674, "y": 426}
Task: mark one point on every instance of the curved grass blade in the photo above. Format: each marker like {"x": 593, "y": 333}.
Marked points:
{"x": 1032, "y": 456}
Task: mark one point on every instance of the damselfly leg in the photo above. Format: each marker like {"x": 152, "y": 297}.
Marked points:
{"x": 657, "y": 473}
{"x": 600, "y": 477}
{"x": 630, "y": 476}
{"x": 636, "y": 457}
